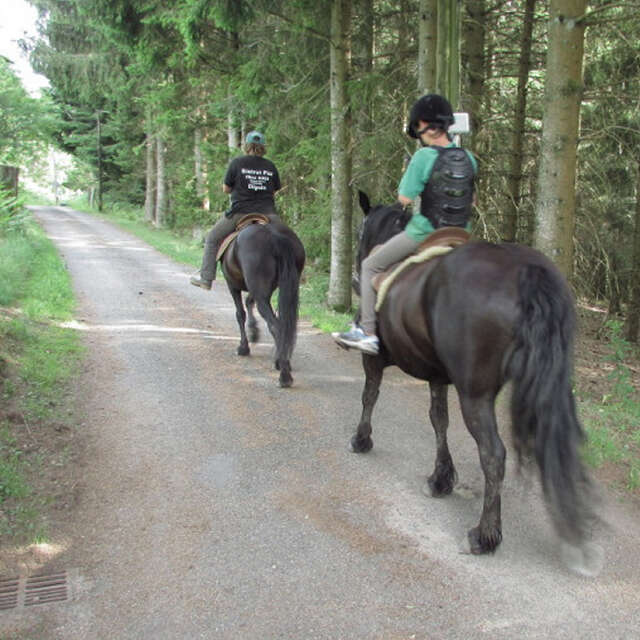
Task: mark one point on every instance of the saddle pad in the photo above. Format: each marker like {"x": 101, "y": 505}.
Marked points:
{"x": 446, "y": 238}
{"x": 384, "y": 283}
{"x": 245, "y": 221}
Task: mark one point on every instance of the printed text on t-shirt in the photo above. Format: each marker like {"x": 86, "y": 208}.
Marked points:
{"x": 257, "y": 179}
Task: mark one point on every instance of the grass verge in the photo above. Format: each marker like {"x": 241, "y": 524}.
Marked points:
{"x": 37, "y": 361}
{"x": 610, "y": 411}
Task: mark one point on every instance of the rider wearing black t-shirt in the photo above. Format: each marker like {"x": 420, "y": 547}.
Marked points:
{"x": 252, "y": 181}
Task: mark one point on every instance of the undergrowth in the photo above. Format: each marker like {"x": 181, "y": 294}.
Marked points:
{"x": 37, "y": 359}
{"x": 612, "y": 419}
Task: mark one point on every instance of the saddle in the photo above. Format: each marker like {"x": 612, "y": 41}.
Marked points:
{"x": 438, "y": 243}
{"x": 245, "y": 221}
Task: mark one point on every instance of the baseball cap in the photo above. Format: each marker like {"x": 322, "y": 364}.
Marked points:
{"x": 255, "y": 137}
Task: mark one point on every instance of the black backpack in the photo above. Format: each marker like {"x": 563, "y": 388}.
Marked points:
{"x": 448, "y": 195}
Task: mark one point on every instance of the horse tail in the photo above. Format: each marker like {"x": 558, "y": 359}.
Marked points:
{"x": 544, "y": 416}
{"x": 288, "y": 300}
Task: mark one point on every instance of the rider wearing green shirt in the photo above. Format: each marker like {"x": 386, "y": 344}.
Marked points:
{"x": 442, "y": 174}
{"x": 412, "y": 184}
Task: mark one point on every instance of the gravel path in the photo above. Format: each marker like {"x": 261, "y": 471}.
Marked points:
{"x": 214, "y": 504}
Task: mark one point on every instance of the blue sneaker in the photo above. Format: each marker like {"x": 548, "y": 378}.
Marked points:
{"x": 358, "y": 339}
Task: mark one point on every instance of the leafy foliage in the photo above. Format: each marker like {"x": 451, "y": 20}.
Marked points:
{"x": 12, "y": 214}
{"x": 26, "y": 123}
{"x": 166, "y": 73}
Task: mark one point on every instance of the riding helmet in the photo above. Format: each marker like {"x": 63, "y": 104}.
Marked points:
{"x": 433, "y": 109}
{"x": 255, "y": 137}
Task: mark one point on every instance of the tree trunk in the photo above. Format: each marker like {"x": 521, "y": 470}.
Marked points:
{"x": 363, "y": 38}
{"x": 161, "y": 191}
{"x": 405, "y": 30}
{"x": 99, "y": 152}
{"x": 473, "y": 63}
{"x": 233, "y": 130}
{"x": 516, "y": 160}
{"x": 199, "y": 169}
{"x": 9, "y": 179}
{"x": 54, "y": 176}
{"x": 453, "y": 34}
{"x": 150, "y": 173}
{"x": 427, "y": 45}
{"x": 233, "y": 126}
{"x": 442, "y": 67}
{"x": 362, "y": 104}
{"x": 633, "y": 315}
{"x": 339, "y": 295}
{"x": 555, "y": 202}
{"x": 448, "y": 51}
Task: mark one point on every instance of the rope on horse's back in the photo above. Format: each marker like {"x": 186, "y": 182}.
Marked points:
{"x": 423, "y": 256}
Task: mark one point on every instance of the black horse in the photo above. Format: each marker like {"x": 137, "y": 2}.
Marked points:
{"x": 477, "y": 317}
{"x": 261, "y": 259}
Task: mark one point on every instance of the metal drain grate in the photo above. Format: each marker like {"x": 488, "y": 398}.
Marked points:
{"x": 33, "y": 590}
{"x": 43, "y": 589}
{"x": 9, "y": 593}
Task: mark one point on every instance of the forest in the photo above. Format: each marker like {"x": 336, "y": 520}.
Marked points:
{"x": 152, "y": 98}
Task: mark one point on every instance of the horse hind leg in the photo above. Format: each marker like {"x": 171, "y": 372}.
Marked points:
{"x": 254, "y": 330}
{"x": 361, "y": 441}
{"x": 286, "y": 379}
{"x": 444, "y": 477}
{"x": 281, "y": 364}
{"x": 241, "y": 317}
{"x": 479, "y": 416}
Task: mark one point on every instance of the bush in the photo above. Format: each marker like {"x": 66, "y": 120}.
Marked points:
{"x": 12, "y": 212}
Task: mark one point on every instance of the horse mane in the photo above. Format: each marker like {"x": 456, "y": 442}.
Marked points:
{"x": 380, "y": 223}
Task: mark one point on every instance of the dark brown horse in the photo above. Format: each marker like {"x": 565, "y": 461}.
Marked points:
{"x": 261, "y": 259}
{"x": 478, "y": 317}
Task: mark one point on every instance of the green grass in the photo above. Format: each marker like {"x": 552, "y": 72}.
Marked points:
{"x": 613, "y": 437}
{"x": 313, "y": 294}
{"x": 612, "y": 419}
{"x": 14, "y": 267}
{"x": 12, "y": 481}
{"x": 37, "y": 360}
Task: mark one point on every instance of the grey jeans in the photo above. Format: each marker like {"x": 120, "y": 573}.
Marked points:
{"x": 218, "y": 233}
{"x": 393, "y": 250}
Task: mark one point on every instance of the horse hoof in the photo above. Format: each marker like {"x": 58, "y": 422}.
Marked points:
{"x": 436, "y": 489}
{"x": 439, "y": 487}
{"x": 477, "y": 544}
{"x": 243, "y": 351}
{"x": 358, "y": 445}
{"x": 430, "y": 490}
{"x": 285, "y": 381}
{"x": 586, "y": 560}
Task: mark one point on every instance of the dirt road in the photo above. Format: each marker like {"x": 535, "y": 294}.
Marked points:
{"x": 213, "y": 504}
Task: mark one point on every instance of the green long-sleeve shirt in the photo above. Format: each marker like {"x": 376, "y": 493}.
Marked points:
{"x": 413, "y": 183}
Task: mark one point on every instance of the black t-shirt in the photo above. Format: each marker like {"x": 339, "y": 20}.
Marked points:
{"x": 253, "y": 180}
